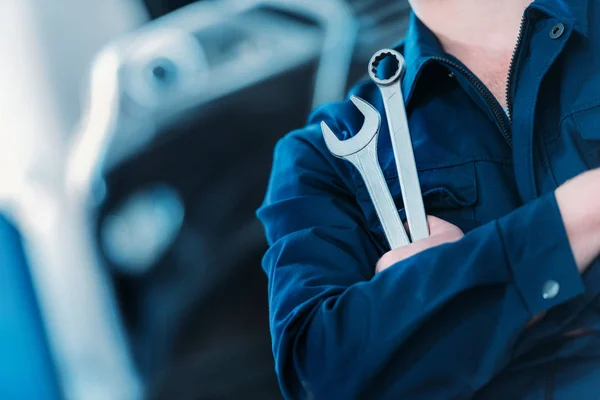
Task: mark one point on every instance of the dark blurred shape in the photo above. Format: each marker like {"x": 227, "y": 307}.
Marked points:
{"x": 198, "y": 317}
{"x": 158, "y": 8}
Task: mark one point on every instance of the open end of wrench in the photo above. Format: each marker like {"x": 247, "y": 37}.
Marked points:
{"x": 369, "y": 130}
{"x": 386, "y": 67}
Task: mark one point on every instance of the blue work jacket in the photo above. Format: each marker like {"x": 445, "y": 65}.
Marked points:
{"x": 450, "y": 322}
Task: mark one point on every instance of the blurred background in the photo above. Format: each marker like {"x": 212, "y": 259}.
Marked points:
{"x": 136, "y": 138}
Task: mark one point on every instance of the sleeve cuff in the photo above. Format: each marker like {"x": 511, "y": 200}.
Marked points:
{"x": 540, "y": 257}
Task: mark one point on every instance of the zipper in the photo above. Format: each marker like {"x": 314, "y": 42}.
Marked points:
{"x": 489, "y": 98}
{"x": 504, "y": 118}
{"x": 511, "y": 69}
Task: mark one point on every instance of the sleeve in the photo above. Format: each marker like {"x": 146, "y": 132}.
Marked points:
{"x": 438, "y": 325}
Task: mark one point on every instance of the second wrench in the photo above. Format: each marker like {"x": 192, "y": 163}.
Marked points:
{"x": 395, "y": 111}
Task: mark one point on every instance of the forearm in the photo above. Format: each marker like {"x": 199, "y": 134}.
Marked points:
{"x": 408, "y": 326}
{"x": 476, "y": 294}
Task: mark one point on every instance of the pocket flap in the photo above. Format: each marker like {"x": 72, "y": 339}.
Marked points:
{"x": 449, "y": 187}
{"x": 588, "y": 123}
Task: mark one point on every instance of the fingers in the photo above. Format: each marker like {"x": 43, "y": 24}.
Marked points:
{"x": 438, "y": 226}
{"x": 441, "y": 232}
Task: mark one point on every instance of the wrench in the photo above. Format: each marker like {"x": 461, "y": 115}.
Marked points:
{"x": 391, "y": 92}
{"x": 361, "y": 151}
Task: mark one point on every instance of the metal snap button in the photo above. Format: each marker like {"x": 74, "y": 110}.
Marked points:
{"x": 550, "y": 290}
{"x": 557, "y": 30}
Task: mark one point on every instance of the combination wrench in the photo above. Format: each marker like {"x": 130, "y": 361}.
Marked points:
{"x": 395, "y": 111}
{"x": 361, "y": 151}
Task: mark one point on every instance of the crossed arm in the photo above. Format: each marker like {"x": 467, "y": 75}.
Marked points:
{"x": 441, "y": 317}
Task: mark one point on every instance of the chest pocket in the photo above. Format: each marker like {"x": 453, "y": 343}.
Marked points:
{"x": 575, "y": 146}
{"x": 449, "y": 193}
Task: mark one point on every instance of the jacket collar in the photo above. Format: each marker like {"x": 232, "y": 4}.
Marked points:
{"x": 420, "y": 46}
{"x": 566, "y": 10}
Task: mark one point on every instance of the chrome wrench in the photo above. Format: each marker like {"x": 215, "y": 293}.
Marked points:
{"x": 395, "y": 111}
{"x": 361, "y": 151}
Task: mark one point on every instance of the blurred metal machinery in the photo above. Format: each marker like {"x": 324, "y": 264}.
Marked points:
{"x": 380, "y": 22}
{"x": 151, "y": 221}
{"x": 199, "y": 68}
{"x": 197, "y": 55}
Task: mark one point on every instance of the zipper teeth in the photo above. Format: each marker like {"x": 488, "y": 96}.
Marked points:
{"x": 487, "y": 95}
{"x": 511, "y": 69}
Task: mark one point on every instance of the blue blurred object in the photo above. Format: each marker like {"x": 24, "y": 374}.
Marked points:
{"x": 26, "y": 367}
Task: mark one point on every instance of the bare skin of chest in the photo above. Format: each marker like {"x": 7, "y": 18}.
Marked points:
{"x": 491, "y": 69}
{"x": 480, "y": 33}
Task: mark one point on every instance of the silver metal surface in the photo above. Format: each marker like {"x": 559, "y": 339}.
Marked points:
{"x": 395, "y": 111}
{"x": 361, "y": 151}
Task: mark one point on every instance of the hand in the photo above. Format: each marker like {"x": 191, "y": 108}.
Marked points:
{"x": 440, "y": 232}
{"x": 580, "y": 210}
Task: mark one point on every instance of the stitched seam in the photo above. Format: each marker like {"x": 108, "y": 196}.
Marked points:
{"x": 584, "y": 108}
{"x": 393, "y": 176}
{"x": 458, "y": 162}
{"x": 581, "y": 108}
{"x": 528, "y": 153}
{"x": 511, "y": 267}
{"x": 570, "y": 114}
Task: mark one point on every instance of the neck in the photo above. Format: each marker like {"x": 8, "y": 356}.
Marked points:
{"x": 490, "y": 24}
{"x": 480, "y": 33}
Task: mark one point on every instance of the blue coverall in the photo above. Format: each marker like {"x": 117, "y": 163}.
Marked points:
{"x": 450, "y": 322}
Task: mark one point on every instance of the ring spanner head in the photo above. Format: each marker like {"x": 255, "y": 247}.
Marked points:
{"x": 368, "y": 131}
{"x": 396, "y": 67}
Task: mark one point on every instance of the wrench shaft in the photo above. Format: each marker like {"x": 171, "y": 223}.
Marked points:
{"x": 405, "y": 161}
{"x": 367, "y": 164}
